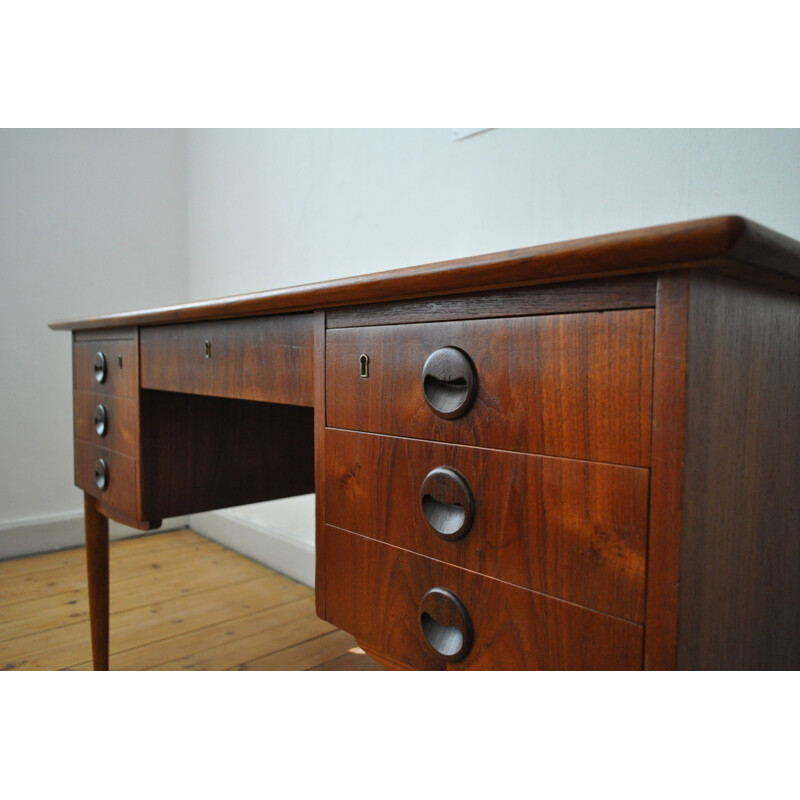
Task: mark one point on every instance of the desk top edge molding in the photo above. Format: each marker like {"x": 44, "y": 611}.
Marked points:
{"x": 727, "y": 244}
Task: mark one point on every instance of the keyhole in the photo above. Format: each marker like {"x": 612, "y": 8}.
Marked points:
{"x": 363, "y": 362}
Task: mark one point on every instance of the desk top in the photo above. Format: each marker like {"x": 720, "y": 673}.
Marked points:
{"x": 728, "y": 244}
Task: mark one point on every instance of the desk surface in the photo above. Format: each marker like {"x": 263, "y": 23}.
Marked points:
{"x": 729, "y": 244}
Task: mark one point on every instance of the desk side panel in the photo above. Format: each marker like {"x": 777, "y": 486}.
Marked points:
{"x": 740, "y": 543}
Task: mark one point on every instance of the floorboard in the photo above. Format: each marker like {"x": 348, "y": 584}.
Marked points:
{"x": 178, "y": 602}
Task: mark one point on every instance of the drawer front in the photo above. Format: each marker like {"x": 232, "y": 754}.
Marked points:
{"x": 575, "y": 385}
{"x": 121, "y": 490}
{"x": 106, "y": 367}
{"x": 108, "y": 421}
{"x": 573, "y": 529}
{"x": 269, "y": 359}
{"x": 383, "y": 596}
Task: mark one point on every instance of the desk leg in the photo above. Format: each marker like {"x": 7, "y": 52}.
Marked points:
{"x": 96, "y": 526}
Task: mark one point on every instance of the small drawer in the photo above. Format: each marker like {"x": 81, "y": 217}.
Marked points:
{"x": 109, "y": 366}
{"x": 269, "y": 359}
{"x": 431, "y": 615}
{"x": 574, "y": 385}
{"x": 576, "y": 530}
{"x": 109, "y": 476}
{"x": 108, "y": 421}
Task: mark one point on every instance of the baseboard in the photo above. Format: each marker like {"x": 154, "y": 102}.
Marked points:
{"x": 26, "y": 537}
{"x": 271, "y": 547}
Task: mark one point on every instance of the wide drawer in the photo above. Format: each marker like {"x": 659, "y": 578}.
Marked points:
{"x": 107, "y": 421}
{"x": 265, "y": 358}
{"x": 386, "y": 597}
{"x": 108, "y": 366}
{"x": 573, "y": 529}
{"x": 121, "y": 488}
{"x": 575, "y": 385}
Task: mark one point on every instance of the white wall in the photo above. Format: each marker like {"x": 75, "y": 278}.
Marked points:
{"x": 276, "y": 208}
{"x": 90, "y": 222}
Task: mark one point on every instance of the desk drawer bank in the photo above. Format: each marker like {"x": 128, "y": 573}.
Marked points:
{"x": 575, "y": 456}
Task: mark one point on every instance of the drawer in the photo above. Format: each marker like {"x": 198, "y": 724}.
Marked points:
{"x": 384, "y": 596}
{"x": 107, "y": 366}
{"x": 267, "y": 358}
{"x": 108, "y": 421}
{"x": 121, "y": 491}
{"x": 574, "y": 385}
{"x": 573, "y": 529}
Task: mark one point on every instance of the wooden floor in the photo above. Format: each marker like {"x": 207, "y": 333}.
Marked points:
{"x": 178, "y": 601}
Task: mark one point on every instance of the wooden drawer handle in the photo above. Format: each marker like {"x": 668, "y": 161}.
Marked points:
{"x": 447, "y": 503}
{"x": 449, "y": 382}
{"x": 101, "y": 420}
{"x": 101, "y": 474}
{"x": 445, "y": 624}
{"x": 100, "y": 367}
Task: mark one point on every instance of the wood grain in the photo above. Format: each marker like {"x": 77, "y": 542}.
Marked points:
{"x": 194, "y": 649}
{"x": 122, "y": 381}
{"x": 122, "y": 427}
{"x": 27, "y": 567}
{"x": 122, "y": 490}
{"x": 740, "y": 544}
{"x": 97, "y": 569}
{"x": 48, "y": 598}
{"x": 319, "y": 459}
{"x": 285, "y": 627}
{"x": 167, "y": 619}
{"x": 106, "y": 334}
{"x": 132, "y": 521}
{"x": 572, "y": 529}
{"x": 157, "y": 581}
{"x": 119, "y": 448}
{"x": 201, "y": 453}
{"x": 729, "y": 243}
{"x": 267, "y": 359}
{"x": 574, "y": 385}
{"x": 356, "y": 660}
{"x": 322, "y": 653}
{"x": 374, "y": 591}
{"x": 21, "y": 591}
{"x": 638, "y": 291}
{"x": 666, "y": 494}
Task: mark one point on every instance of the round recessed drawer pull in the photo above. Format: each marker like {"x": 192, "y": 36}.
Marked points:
{"x": 449, "y": 382}
{"x": 101, "y": 420}
{"x": 447, "y": 503}
{"x": 100, "y": 368}
{"x": 445, "y": 624}
{"x": 101, "y": 473}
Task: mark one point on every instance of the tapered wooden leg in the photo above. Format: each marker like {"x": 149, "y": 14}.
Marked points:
{"x": 97, "y": 564}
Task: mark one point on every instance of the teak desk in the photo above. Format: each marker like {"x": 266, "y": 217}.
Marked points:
{"x": 583, "y": 455}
